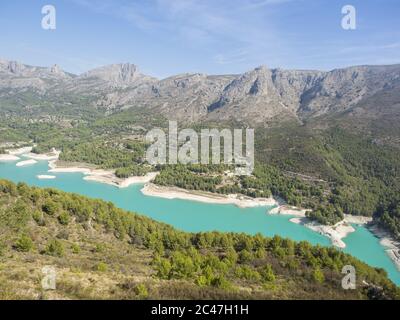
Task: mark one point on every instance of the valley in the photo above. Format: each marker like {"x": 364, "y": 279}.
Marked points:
{"x": 212, "y": 212}
{"x": 326, "y": 142}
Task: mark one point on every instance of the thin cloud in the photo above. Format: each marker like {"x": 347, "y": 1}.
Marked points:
{"x": 231, "y": 57}
{"x": 264, "y": 3}
{"x": 369, "y": 48}
{"x": 200, "y": 23}
{"x": 139, "y": 14}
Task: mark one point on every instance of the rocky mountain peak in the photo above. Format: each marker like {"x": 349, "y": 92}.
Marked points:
{"x": 14, "y": 67}
{"x": 117, "y": 74}
{"x": 262, "y": 69}
{"x": 254, "y": 82}
{"x": 55, "y": 69}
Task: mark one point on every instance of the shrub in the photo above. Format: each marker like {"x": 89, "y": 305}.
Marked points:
{"x": 260, "y": 253}
{"x": 267, "y": 273}
{"x": 245, "y": 256}
{"x": 101, "y": 267}
{"x": 64, "y": 218}
{"x": 182, "y": 266}
{"x": 221, "y": 282}
{"x": 202, "y": 281}
{"x": 38, "y": 217}
{"x": 50, "y": 207}
{"x": 163, "y": 267}
{"x": 141, "y": 291}
{"x": 100, "y": 247}
{"x": 245, "y": 272}
{"x": 318, "y": 275}
{"x": 24, "y": 243}
{"x": 75, "y": 248}
{"x": 55, "y": 248}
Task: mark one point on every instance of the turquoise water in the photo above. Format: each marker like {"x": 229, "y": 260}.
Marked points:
{"x": 195, "y": 216}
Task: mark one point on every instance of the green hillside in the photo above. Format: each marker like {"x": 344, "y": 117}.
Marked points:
{"x": 100, "y": 252}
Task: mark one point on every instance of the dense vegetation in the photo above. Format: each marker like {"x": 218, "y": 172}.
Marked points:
{"x": 266, "y": 181}
{"x": 331, "y": 171}
{"x": 126, "y": 157}
{"x": 100, "y": 251}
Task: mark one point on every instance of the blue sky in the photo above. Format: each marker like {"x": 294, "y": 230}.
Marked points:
{"x": 166, "y": 37}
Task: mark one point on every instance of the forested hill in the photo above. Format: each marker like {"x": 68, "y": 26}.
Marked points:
{"x": 326, "y": 141}
{"x": 100, "y": 251}
{"x": 332, "y": 171}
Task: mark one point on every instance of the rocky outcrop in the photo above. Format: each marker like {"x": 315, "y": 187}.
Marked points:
{"x": 124, "y": 74}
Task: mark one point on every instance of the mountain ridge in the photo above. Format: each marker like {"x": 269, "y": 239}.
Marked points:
{"x": 256, "y": 96}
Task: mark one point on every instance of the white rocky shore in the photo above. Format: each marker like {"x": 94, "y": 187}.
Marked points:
{"x": 335, "y": 233}
{"x": 8, "y": 157}
{"x": 53, "y": 155}
{"x": 342, "y": 229}
{"x": 45, "y": 177}
{"x": 201, "y": 196}
{"x": 102, "y": 176}
{"x": 54, "y": 168}
{"x": 26, "y": 152}
{"x": 26, "y": 163}
{"x": 391, "y": 245}
{"x": 12, "y": 154}
{"x": 110, "y": 178}
{"x": 19, "y": 151}
{"x": 284, "y": 209}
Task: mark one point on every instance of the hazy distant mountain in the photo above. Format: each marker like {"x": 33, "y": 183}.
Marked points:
{"x": 14, "y": 75}
{"x": 257, "y": 96}
{"x": 117, "y": 74}
{"x": 14, "y": 69}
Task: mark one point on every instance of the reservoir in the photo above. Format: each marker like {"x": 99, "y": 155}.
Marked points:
{"x": 194, "y": 216}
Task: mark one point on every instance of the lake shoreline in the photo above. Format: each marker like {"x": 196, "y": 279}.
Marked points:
{"x": 153, "y": 190}
{"x": 9, "y": 157}
{"x": 53, "y": 155}
{"x": 26, "y": 163}
{"x": 45, "y": 177}
{"x": 99, "y": 175}
{"x": 386, "y": 240}
{"x": 14, "y": 153}
{"x": 335, "y": 233}
{"x": 19, "y": 151}
{"x": 280, "y": 206}
{"x": 342, "y": 229}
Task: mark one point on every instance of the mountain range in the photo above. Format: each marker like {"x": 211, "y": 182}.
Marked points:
{"x": 258, "y": 96}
